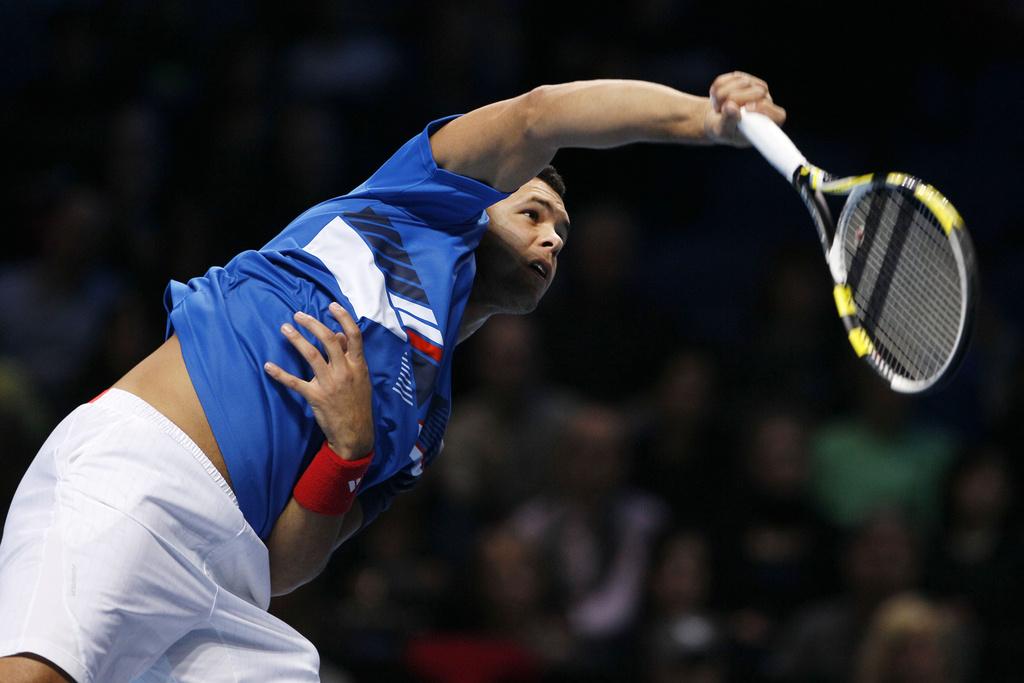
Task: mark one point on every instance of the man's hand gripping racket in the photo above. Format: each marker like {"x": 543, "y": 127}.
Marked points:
{"x": 901, "y": 259}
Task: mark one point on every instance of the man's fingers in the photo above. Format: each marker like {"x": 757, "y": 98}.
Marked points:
{"x": 725, "y": 79}
{"x": 737, "y": 77}
{"x": 740, "y": 88}
{"x": 769, "y": 109}
{"x": 350, "y": 328}
{"x": 287, "y": 379}
{"x": 307, "y": 350}
{"x": 726, "y": 84}
{"x": 744, "y": 95}
{"x": 754, "y": 80}
{"x": 325, "y": 335}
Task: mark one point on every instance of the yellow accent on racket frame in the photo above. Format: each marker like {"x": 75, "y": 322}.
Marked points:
{"x": 940, "y": 206}
{"x": 844, "y": 300}
{"x": 860, "y": 342}
{"x": 844, "y": 185}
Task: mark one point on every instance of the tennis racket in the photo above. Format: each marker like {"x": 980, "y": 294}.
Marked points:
{"x": 902, "y": 262}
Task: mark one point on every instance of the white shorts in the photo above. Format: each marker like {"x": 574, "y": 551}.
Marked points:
{"x": 125, "y": 557}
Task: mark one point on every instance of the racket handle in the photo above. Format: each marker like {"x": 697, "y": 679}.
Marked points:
{"x": 774, "y": 145}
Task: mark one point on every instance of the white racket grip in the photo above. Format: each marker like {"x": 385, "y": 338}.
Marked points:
{"x": 774, "y": 145}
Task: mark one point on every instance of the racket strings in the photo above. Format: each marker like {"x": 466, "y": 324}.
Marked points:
{"x": 909, "y": 319}
{"x": 883, "y": 311}
{"x": 908, "y": 293}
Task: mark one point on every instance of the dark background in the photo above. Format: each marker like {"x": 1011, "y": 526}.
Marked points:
{"x": 688, "y": 344}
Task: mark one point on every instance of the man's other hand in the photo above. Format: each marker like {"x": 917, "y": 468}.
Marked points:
{"x": 339, "y": 392}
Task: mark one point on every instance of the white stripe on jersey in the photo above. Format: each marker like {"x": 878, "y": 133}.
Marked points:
{"x": 426, "y": 330}
{"x": 418, "y": 310}
{"x": 343, "y": 251}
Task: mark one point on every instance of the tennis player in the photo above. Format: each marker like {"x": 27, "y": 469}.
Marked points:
{"x": 301, "y": 387}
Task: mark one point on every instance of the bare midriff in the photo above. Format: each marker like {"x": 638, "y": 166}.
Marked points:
{"x": 162, "y": 381}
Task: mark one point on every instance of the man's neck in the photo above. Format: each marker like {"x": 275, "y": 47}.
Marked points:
{"x": 473, "y": 318}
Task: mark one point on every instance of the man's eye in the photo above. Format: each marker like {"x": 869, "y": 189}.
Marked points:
{"x": 532, "y": 214}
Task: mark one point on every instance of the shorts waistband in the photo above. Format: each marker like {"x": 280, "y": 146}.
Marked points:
{"x": 126, "y": 402}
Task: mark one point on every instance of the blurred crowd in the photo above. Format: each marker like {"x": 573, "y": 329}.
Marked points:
{"x": 675, "y": 470}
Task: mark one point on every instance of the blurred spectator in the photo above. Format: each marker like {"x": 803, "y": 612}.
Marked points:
{"x": 396, "y": 589}
{"x": 682, "y": 639}
{"x": 596, "y": 533}
{"x": 910, "y": 640}
{"x": 880, "y": 458}
{"x": 605, "y": 335}
{"x": 797, "y": 337}
{"x": 681, "y": 451}
{"x": 978, "y": 558}
{"x": 515, "y": 635}
{"x": 514, "y": 592}
{"x": 880, "y": 560}
{"x": 498, "y": 446}
{"x": 307, "y": 610}
{"x": 56, "y": 305}
{"x": 774, "y": 551}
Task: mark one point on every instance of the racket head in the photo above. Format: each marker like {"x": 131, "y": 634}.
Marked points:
{"x": 906, "y": 279}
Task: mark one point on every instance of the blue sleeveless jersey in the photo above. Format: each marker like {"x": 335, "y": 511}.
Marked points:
{"x": 397, "y": 252}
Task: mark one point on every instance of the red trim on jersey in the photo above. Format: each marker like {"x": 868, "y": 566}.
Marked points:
{"x": 98, "y": 395}
{"x": 427, "y": 347}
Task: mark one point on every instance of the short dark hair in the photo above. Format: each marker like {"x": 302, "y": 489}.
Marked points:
{"x": 552, "y": 177}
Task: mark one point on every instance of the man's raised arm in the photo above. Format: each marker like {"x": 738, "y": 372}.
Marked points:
{"x": 507, "y": 143}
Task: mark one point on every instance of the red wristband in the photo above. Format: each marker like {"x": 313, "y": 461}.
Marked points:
{"x": 330, "y": 483}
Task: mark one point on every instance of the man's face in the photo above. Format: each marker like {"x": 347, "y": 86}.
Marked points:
{"x": 518, "y": 255}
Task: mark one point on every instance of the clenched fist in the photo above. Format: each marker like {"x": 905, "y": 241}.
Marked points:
{"x": 729, "y": 93}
